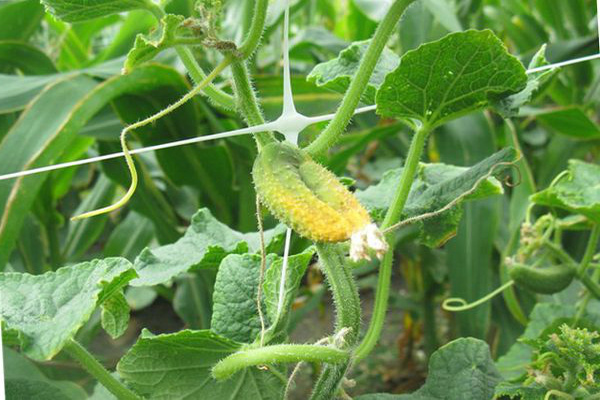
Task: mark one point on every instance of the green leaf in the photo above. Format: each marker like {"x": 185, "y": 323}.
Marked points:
{"x": 20, "y": 19}
{"x": 147, "y": 47}
{"x": 205, "y": 243}
{"x": 454, "y": 76}
{"x": 130, "y": 237}
{"x": 446, "y": 13}
{"x": 462, "y": 369}
{"x": 578, "y": 191}
{"x": 83, "y": 10}
{"x": 20, "y": 388}
{"x": 336, "y": 74}
{"x": 436, "y": 186}
{"x": 193, "y": 300}
{"x": 518, "y": 391}
{"x": 509, "y": 106}
{"x": 26, "y": 58}
{"x": 17, "y": 367}
{"x": 38, "y": 139}
{"x": 570, "y": 121}
{"x": 177, "y": 366}
{"x": 49, "y": 309}
{"x": 297, "y": 265}
{"x": 115, "y": 315}
{"x": 235, "y": 314}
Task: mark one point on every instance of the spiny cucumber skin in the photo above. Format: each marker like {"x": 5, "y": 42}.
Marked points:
{"x": 305, "y": 196}
{"x": 548, "y": 280}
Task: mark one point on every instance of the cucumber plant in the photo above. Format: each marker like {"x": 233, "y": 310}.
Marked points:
{"x": 247, "y": 283}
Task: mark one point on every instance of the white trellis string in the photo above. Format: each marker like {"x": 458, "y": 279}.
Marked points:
{"x": 285, "y": 124}
{"x": 564, "y": 63}
{"x": 288, "y": 111}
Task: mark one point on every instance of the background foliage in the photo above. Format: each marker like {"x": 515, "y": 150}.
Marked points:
{"x": 63, "y": 97}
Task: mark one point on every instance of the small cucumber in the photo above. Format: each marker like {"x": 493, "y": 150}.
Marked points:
{"x": 547, "y": 280}
{"x": 306, "y": 196}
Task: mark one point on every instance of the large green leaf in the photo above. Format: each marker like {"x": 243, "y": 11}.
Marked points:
{"x": 37, "y": 139}
{"x": 193, "y": 300}
{"x": 47, "y": 128}
{"x": 437, "y": 186}
{"x": 130, "y": 237}
{"x": 454, "y": 76}
{"x": 336, "y": 74}
{"x": 115, "y": 315}
{"x": 83, "y": 10}
{"x": 205, "y": 243}
{"x": 235, "y": 313}
{"x": 279, "y": 314}
{"x": 18, "y": 368}
{"x": 462, "y": 369}
{"x": 177, "y": 366}
{"x": 18, "y": 91}
{"x": 49, "y": 309}
{"x": 577, "y": 191}
{"x": 20, "y": 19}
{"x": 21, "y": 388}
{"x": 25, "y": 58}
{"x": 570, "y": 121}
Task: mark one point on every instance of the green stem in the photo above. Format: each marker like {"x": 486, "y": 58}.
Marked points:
{"x": 584, "y": 277}
{"x": 509, "y": 295}
{"x": 559, "y": 252}
{"x": 385, "y": 269}
{"x": 282, "y": 353}
{"x": 247, "y": 102}
{"x": 359, "y": 82}
{"x": 344, "y": 290}
{"x": 347, "y": 305}
{"x": 590, "y": 284}
{"x": 428, "y": 309}
{"x": 590, "y": 250}
{"x": 255, "y": 32}
{"x": 155, "y": 9}
{"x": 219, "y": 97}
{"x": 76, "y": 351}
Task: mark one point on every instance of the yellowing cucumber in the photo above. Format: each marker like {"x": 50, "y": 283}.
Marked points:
{"x": 306, "y": 196}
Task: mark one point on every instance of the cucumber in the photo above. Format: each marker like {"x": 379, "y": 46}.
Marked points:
{"x": 547, "y": 280}
{"x": 306, "y": 196}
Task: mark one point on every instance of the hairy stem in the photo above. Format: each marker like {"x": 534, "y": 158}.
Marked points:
{"x": 281, "y": 353}
{"x": 247, "y": 102}
{"x": 217, "y": 96}
{"x": 347, "y": 305}
{"x": 385, "y": 269}
{"x": 255, "y": 32}
{"x": 343, "y": 288}
{"x": 359, "y": 82}
{"x": 76, "y": 351}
